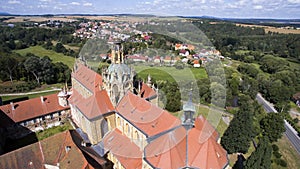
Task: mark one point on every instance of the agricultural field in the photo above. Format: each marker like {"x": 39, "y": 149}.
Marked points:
{"x": 273, "y": 29}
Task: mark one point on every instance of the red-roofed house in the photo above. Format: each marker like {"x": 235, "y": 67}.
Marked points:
{"x": 196, "y": 63}
{"x": 34, "y": 114}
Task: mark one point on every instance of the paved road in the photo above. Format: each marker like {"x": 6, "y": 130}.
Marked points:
{"x": 290, "y": 131}
{"x": 292, "y": 136}
{"x": 267, "y": 106}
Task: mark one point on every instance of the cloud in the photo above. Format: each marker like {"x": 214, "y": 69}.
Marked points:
{"x": 45, "y": 0}
{"x": 42, "y": 6}
{"x": 257, "y": 1}
{"x": 14, "y": 2}
{"x": 257, "y": 7}
{"x": 75, "y": 3}
{"x": 294, "y": 1}
{"x": 87, "y": 4}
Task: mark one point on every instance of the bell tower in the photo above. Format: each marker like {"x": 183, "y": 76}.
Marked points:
{"x": 117, "y": 55}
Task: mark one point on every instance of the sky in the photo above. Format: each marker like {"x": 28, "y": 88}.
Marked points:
{"x": 280, "y": 9}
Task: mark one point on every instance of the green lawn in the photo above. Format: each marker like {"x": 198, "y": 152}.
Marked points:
{"x": 170, "y": 73}
{"x": 41, "y": 52}
{"x": 54, "y": 130}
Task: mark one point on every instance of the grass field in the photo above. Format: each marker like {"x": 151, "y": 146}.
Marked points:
{"x": 288, "y": 153}
{"x": 170, "y": 74}
{"x": 41, "y": 52}
{"x": 53, "y": 130}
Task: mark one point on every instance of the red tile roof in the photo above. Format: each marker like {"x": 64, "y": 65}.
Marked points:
{"x": 93, "y": 106}
{"x": 146, "y": 116}
{"x": 87, "y": 77}
{"x": 146, "y": 91}
{"x": 169, "y": 150}
{"x": 99, "y": 102}
{"x": 32, "y": 108}
{"x": 168, "y": 58}
{"x": 127, "y": 152}
{"x": 49, "y": 151}
{"x": 180, "y": 148}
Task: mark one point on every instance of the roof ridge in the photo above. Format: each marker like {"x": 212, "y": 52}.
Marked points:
{"x": 61, "y": 148}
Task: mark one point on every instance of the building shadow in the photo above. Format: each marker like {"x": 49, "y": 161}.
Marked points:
{"x": 14, "y": 136}
{"x": 239, "y": 162}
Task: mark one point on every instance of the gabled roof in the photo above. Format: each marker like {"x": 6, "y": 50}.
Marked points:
{"x": 147, "y": 117}
{"x": 127, "y": 152}
{"x": 51, "y": 151}
{"x": 87, "y": 77}
{"x": 147, "y": 92}
{"x": 93, "y": 106}
{"x": 32, "y": 108}
{"x": 195, "y": 148}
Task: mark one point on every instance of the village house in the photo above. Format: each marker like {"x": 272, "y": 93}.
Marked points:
{"x": 34, "y": 114}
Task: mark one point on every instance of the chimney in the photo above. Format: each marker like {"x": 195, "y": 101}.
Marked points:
{"x": 42, "y": 99}
{"x": 12, "y": 105}
{"x": 67, "y": 148}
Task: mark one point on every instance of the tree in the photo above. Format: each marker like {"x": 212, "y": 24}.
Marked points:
{"x": 47, "y": 72}
{"x": 261, "y": 157}
{"x": 173, "y": 102}
{"x": 240, "y": 131}
{"x": 32, "y": 65}
{"x": 272, "y": 126}
{"x": 62, "y": 72}
{"x": 59, "y": 47}
{"x": 7, "y": 65}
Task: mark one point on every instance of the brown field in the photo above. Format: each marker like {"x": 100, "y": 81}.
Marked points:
{"x": 273, "y": 29}
{"x": 38, "y": 19}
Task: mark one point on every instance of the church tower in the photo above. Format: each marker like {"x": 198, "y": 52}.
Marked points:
{"x": 118, "y": 77}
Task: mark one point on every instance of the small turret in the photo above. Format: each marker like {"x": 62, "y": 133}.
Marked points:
{"x": 189, "y": 112}
{"x": 149, "y": 82}
{"x": 63, "y": 96}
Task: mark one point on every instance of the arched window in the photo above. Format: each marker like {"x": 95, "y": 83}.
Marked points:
{"x": 127, "y": 129}
{"x": 136, "y": 135}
